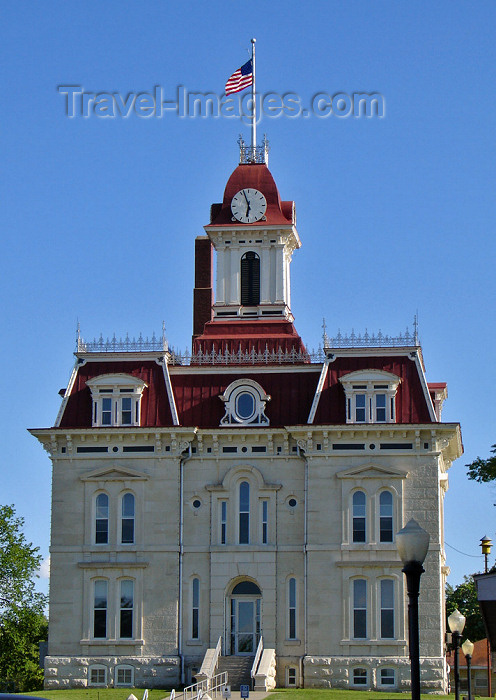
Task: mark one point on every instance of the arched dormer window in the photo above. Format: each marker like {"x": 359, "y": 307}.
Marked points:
{"x": 116, "y": 400}
{"x": 245, "y": 402}
{"x": 370, "y": 396}
{"x": 250, "y": 279}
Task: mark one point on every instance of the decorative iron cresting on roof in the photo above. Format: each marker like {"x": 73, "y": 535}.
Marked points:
{"x": 127, "y": 344}
{"x": 253, "y": 154}
{"x": 407, "y": 339}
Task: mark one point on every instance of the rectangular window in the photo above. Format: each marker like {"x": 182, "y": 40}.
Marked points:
{"x": 100, "y": 610}
{"x": 380, "y": 408}
{"x": 124, "y": 676}
{"x": 292, "y": 677}
{"x": 265, "y": 508}
{"x": 387, "y": 609}
{"x": 106, "y": 411}
{"x": 223, "y": 522}
{"x": 126, "y": 410}
{"x": 98, "y": 676}
{"x": 360, "y": 609}
{"x": 244, "y": 513}
{"x": 387, "y": 676}
{"x": 195, "y": 616}
{"x": 360, "y": 408}
{"x": 292, "y": 608}
{"x": 126, "y": 609}
{"x": 359, "y": 676}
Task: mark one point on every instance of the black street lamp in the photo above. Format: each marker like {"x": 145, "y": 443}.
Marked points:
{"x": 456, "y": 622}
{"x": 468, "y": 650}
{"x": 413, "y": 542}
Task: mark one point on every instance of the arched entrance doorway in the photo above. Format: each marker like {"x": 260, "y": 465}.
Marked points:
{"x": 245, "y": 618}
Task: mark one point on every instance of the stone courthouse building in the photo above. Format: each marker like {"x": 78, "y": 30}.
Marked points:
{"x": 248, "y": 490}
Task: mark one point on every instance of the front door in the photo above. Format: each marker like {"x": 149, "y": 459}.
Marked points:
{"x": 245, "y": 625}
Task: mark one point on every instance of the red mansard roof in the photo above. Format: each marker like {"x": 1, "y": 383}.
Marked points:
{"x": 411, "y": 405}
{"x": 155, "y": 409}
{"x": 291, "y": 387}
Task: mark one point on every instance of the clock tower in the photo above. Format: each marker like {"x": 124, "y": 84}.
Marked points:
{"x": 253, "y": 233}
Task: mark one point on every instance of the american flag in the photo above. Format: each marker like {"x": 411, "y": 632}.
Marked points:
{"x": 240, "y": 79}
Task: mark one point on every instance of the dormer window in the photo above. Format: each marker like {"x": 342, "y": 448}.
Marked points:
{"x": 244, "y": 403}
{"x": 370, "y": 396}
{"x": 116, "y": 400}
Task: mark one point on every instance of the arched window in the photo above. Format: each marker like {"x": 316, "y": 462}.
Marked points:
{"x": 292, "y": 608}
{"x": 244, "y": 513}
{"x": 360, "y": 608}
{"x": 127, "y": 519}
{"x": 250, "y": 279}
{"x": 387, "y": 608}
{"x": 100, "y": 605}
{"x": 386, "y": 516}
{"x": 195, "y": 608}
{"x": 126, "y": 609}
{"x": 359, "y": 517}
{"x": 101, "y": 519}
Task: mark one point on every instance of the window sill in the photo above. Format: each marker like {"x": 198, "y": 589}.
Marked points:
{"x": 292, "y": 642}
{"x": 194, "y": 642}
{"x": 113, "y": 642}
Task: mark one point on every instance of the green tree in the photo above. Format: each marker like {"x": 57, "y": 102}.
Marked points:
{"x": 483, "y": 470}
{"x": 464, "y": 598}
{"x": 22, "y": 622}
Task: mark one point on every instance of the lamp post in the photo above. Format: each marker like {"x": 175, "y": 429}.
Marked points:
{"x": 456, "y": 622}
{"x": 412, "y": 542}
{"x": 486, "y": 544}
{"x": 468, "y": 650}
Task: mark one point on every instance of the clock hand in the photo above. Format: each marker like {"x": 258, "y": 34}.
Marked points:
{"x": 244, "y": 193}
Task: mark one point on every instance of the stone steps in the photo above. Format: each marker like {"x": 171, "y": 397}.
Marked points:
{"x": 238, "y": 670}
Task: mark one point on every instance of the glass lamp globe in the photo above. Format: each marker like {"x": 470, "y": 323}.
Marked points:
{"x": 456, "y": 622}
{"x": 412, "y": 542}
{"x": 468, "y": 647}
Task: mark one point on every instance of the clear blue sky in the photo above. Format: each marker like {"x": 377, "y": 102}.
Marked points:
{"x": 397, "y": 214}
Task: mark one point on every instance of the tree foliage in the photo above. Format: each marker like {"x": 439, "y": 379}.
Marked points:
{"x": 464, "y": 598}
{"x": 483, "y": 470}
{"x": 22, "y": 622}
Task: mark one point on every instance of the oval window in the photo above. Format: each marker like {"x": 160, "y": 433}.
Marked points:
{"x": 245, "y": 405}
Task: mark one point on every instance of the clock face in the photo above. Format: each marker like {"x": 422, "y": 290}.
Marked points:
{"x": 248, "y": 206}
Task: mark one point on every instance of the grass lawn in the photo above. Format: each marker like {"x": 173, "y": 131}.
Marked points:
{"x": 283, "y": 694}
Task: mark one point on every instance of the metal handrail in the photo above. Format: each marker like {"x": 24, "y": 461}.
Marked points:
{"x": 256, "y": 660}
{"x": 212, "y": 686}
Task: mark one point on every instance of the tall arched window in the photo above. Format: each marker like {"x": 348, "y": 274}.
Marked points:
{"x": 386, "y": 516}
{"x": 126, "y": 609}
{"x": 195, "y": 608}
{"x": 359, "y": 517}
{"x": 100, "y": 604}
{"x": 101, "y": 519}
{"x": 359, "y": 608}
{"x": 250, "y": 279}
{"x": 244, "y": 513}
{"x": 292, "y": 608}
{"x": 127, "y": 519}
{"x": 387, "y": 609}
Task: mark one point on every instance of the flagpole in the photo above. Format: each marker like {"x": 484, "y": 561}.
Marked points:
{"x": 254, "y": 108}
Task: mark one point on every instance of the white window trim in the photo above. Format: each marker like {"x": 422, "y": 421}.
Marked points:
{"x": 120, "y": 608}
{"x": 367, "y": 608}
{"x": 295, "y": 684}
{"x": 123, "y": 667}
{"x": 367, "y": 677}
{"x": 116, "y": 387}
{"x": 230, "y": 395}
{"x": 97, "y": 667}
{"x": 379, "y": 677}
{"x": 94, "y": 519}
{"x": 370, "y": 383}
{"x": 380, "y": 608}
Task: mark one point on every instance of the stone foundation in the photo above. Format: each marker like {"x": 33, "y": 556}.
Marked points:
{"x": 74, "y": 671}
{"x": 337, "y": 672}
